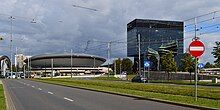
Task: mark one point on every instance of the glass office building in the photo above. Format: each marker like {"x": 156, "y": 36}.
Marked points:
{"x": 153, "y": 34}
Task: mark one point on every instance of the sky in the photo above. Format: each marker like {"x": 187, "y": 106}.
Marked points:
{"x": 61, "y": 27}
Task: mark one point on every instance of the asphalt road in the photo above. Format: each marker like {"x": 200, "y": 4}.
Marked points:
{"x": 30, "y": 95}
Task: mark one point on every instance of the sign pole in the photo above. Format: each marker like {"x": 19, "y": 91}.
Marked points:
{"x": 148, "y": 73}
{"x": 196, "y": 78}
{"x": 195, "y": 65}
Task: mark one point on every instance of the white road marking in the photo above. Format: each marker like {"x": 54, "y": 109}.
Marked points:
{"x": 50, "y": 92}
{"x": 40, "y": 89}
{"x": 68, "y": 99}
{"x": 32, "y": 86}
{"x": 196, "y": 48}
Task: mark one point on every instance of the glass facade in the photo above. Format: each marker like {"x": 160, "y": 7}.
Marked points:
{"x": 153, "y": 34}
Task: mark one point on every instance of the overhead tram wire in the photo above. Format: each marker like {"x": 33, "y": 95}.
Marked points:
{"x": 213, "y": 17}
{"x": 83, "y": 7}
{"x": 201, "y": 15}
{"x": 154, "y": 42}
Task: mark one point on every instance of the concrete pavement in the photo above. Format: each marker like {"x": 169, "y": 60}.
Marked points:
{"x": 30, "y": 95}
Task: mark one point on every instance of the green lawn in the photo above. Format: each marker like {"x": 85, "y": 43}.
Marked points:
{"x": 2, "y": 98}
{"x": 182, "y": 82}
{"x": 209, "y": 97}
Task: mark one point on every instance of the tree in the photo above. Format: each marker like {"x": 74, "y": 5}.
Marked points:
{"x": 126, "y": 65}
{"x": 168, "y": 63}
{"x": 209, "y": 65}
{"x": 118, "y": 63}
{"x": 123, "y": 65}
{"x": 188, "y": 64}
{"x": 216, "y": 53}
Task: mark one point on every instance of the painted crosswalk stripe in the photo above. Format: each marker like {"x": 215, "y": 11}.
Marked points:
{"x": 49, "y": 92}
{"x": 68, "y": 99}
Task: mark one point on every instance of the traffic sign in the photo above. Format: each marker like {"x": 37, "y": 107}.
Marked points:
{"x": 196, "y": 48}
{"x": 201, "y": 65}
{"x": 146, "y": 64}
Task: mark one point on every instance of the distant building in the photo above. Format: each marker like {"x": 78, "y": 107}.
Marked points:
{"x": 64, "y": 64}
{"x": 155, "y": 35}
{"x": 19, "y": 60}
{"x": 5, "y": 65}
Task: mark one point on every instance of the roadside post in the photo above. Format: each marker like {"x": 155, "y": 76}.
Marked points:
{"x": 146, "y": 65}
{"x": 196, "y": 49}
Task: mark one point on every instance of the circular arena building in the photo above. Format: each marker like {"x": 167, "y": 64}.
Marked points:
{"x": 64, "y": 60}
{"x": 64, "y": 64}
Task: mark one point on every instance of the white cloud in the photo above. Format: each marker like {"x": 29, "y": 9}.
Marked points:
{"x": 60, "y": 25}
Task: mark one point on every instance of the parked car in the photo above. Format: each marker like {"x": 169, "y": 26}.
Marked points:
{"x": 139, "y": 79}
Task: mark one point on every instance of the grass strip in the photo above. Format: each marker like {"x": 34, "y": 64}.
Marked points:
{"x": 182, "y": 82}
{"x": 2, "y": 98}
{"x": 163, "y": 92}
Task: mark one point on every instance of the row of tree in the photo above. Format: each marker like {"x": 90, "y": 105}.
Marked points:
{"x": 168, "y": 64}
{"x": 188, "y": 62}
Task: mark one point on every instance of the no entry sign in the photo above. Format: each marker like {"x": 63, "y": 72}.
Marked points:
{"x": 196, "y": 48}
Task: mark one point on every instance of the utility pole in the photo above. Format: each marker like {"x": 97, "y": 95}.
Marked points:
{"x": 11, "y": 19}
{"x": 115, "y": 67}
{"x": 28, "y": 66}
{"x": 139, "y": 54}
{"x": 52, "y": 68}
{"x": 16, "y": 65}
{"x": 120, "y": 66}
{"x": 109, "y": 55}
{"x": 71, "y": 63}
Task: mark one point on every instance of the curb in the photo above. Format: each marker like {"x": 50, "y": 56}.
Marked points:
{"x": 139, "y": 97}
{"x": 8, "y": 99}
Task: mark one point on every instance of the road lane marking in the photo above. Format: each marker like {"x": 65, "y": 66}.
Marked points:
{"x": 68, "y": 99}
{"x": 39, "y": 89}
{"x": 32, "y": 86}
{"x": 50, "y": 92}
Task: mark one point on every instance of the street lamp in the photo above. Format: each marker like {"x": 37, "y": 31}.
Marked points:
{"x": 11, "y": 19}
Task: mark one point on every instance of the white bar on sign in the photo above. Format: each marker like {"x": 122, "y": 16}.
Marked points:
{"x": 195, "y": 48}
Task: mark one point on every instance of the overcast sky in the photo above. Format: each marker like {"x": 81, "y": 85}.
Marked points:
{"x": 60, "y": 27}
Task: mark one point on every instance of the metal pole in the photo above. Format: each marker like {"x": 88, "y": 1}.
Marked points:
{"x": 196, "y": 77}
{"x": 11, "y": 18}
{"x": 28, "y": 66}
{"x": 16, "y": 65}
{"x": 139, "y": 53}
{"x": 45, "y": 69}
{"x": 71, "y": 61}
{"x": 115, "y": 67}
{"x": 148, "y": 75}
{"x": 120, "y": 67}
{"x": 51, "y": 68}
{"x": 94, "y": 64}
{"x": 24, "y": 72}
{"x": 109, "y": 55}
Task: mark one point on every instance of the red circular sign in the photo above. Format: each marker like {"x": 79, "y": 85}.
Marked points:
{"x": 196, "y": 48}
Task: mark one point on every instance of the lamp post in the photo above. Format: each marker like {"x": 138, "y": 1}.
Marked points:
{"x": 11, "y": 19}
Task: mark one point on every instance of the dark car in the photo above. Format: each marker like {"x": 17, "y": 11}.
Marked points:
{"x": 139, "y": 79}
